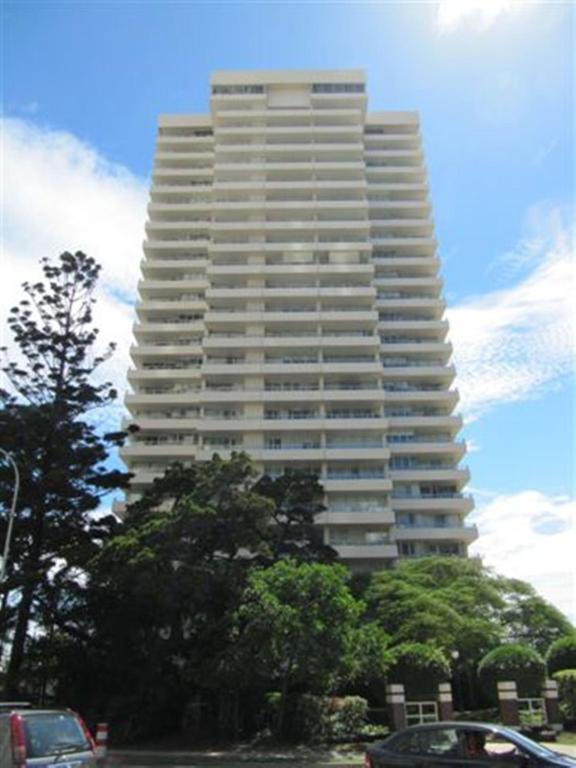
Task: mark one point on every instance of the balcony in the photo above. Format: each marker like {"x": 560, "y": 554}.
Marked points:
{"x": 423, "y": 369}
{"x": 462, "y": 533}
{"x": 139, "y": 375}
{"x": 446, "y": 422}
{"x": 174, "y": 243}
{"x": 167, "y": 451}
{"x": 290, "y": 266}
{"x": 366, "y": 552}
{"x": 401, "y": 174}
{"x": 381, "y": 516}
{"x": 429, "y": 445}
{"x": 430, "y": 473}
{"x": 405, "y": 266}
{"x": 460, "y": 503}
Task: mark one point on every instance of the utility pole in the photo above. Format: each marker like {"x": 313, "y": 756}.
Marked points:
{"x": 11, "y": 516}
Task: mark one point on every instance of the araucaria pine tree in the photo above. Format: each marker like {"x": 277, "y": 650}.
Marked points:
{"x": 45, "y": 424}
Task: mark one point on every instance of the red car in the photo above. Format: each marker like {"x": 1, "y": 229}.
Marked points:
{"x": 41, "y": 738}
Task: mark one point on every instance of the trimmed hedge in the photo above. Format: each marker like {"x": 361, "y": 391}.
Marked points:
{"x": 514, "y": 662}
{"x": 419, "y": 667}
{"x": 562, "y": 654}
{"x": 566, "y": 680}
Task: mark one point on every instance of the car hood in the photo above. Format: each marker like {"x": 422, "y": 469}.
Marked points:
{"x": 560, "y": 759}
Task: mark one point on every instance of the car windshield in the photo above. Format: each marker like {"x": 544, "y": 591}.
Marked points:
{"x": 53, "y": 733}
{"x": 525, "y": 743}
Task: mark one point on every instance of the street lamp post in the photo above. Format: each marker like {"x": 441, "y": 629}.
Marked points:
{"x": 457, "y": 682}
{"x": 11, "y": 516}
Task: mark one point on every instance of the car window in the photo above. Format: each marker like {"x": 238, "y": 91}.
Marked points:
{"x": 440, "y": 741}
{"x": 526, "y": 745}
{"x": 52, "y": 733}
{"x": 407, "y": 743}
{"x": 435, "y": 742}
{"x": 498, "y": 746}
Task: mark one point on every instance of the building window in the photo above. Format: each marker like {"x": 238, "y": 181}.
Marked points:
{"x": 338, "y": 88}
{"x": 219, "y": 90}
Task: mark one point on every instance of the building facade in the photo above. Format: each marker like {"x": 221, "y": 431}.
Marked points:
{"x": 290, "y": 306}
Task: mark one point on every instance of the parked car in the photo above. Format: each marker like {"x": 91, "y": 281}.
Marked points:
{"x": 470, "y": 745}
{"x": 38, "y": 738}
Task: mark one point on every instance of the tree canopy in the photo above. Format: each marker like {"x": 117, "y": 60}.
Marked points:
{"x": 562, "y": 654}
{"x": 461, "y": 607}
{"x": 60, "y": 454}
{"x": 162, "y": 595}
{"x": 298, "y": 626}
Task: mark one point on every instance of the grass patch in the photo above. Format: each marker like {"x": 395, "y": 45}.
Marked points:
{"x": 567, "y": 737}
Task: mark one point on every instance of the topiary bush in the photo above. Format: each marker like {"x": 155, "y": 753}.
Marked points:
{"x": 566, "y": 680}
{"x": 514, "y": 662}
{"x": 419, "y": 667}
{"x": 562, "y": 654}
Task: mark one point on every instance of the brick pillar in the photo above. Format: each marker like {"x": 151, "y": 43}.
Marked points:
{"x": 508, "y": 703}
{"x": 551, "y": 706}
{"x": 395, "y": 701}
{"x": 445, "y": 706}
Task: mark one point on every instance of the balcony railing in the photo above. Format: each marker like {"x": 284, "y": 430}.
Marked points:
{"x": 291, "y": 415}
{"x": 349, "y": 444}
{"x": 304, "y": 446}
{"x": 341, "y": 414}
{"x": 361, "y": 474}
{"x": 438, "y": 495}
{"x": 436, "y": 438}
{"x": 402, "y": 363}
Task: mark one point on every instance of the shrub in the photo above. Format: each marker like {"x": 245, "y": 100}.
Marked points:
{"x": 350, "y": 715}
{"x": 562, "y": 654}
{"x": 312, "y": 719}
{"x": 566, "y": 680}
{"x": 514, "y": 662}
{"x": 419, "y": 667}
{"x": 324, "y": 718}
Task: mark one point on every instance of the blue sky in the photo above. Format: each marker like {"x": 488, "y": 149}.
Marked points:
{"x": 83, "y": 83}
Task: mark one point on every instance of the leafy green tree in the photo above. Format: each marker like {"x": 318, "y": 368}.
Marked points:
{"x": 411, "y": 614}
{"x": 562, "y": 654}
{"x": 370, "y": 662}
{"x": 464, "y": 609}
{"x": 62, "y": 458}
{"x": 159, "y": 605}
{"x": 529, "y": 618}
{"x": 461, "y": 606}
{"x": 515, "y": 662}
{"x": 450, "y": 603}
{"x": 298, "y": 623}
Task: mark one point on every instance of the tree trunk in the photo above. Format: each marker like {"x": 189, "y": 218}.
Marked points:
{"x": 19, "y": 641}
{"x": 280, "y": 725}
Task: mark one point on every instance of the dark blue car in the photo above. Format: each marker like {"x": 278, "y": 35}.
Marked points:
{"x": 469, "y": 745}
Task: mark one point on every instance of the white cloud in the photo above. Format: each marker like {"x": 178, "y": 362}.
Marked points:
{"x": 531, "y": 536}
{"x": 452, "y": 14}
{"x": 61, "y": 194}
{"x": 512, "y": 344}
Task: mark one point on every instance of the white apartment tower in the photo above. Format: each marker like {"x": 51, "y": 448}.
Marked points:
{"x": 290, "y": 306}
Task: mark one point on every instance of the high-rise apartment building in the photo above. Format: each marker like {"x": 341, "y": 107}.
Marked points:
{"x": 290, "y": 307}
